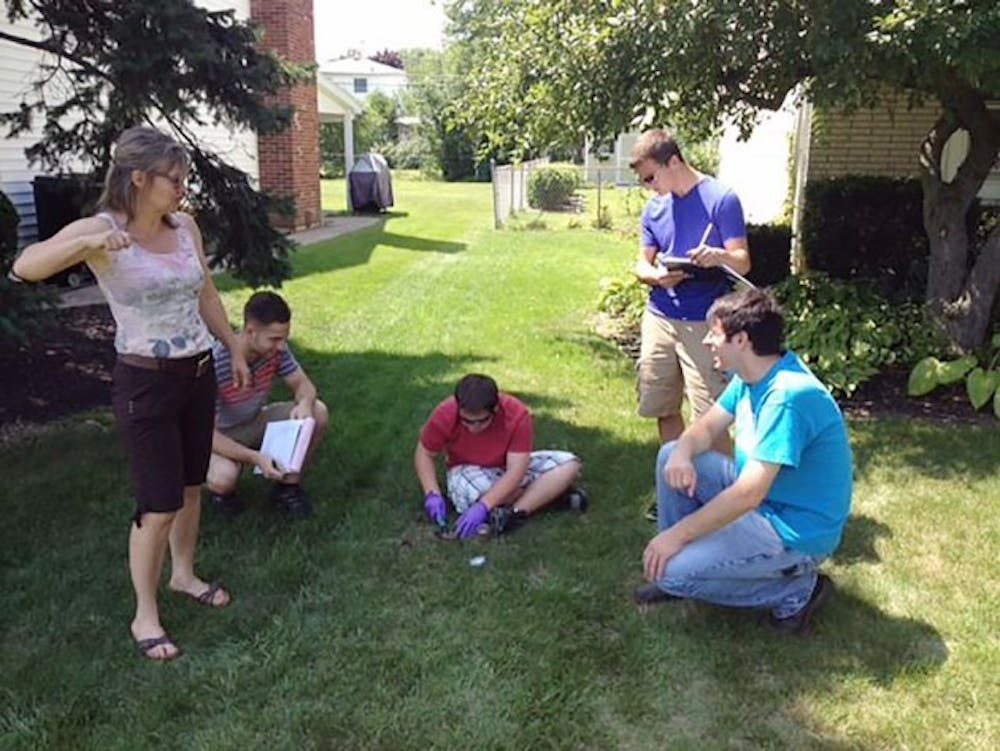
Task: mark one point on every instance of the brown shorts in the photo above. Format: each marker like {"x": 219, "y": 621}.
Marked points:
{"x": 251, "y": 432}
{"x": 673, "y": 362}
{"x": 165, "y": 422}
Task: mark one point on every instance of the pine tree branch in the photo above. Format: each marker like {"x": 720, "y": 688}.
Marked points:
{"x": 54, "y": 49}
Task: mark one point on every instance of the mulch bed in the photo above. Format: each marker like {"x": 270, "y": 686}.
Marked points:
{"x": 69, "y": 370}
{"x": 66, "y": 370}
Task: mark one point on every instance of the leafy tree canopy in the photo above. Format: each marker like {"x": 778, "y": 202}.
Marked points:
{"x": 438, "y": 83}
{"x": 603, "y": 66}
{"x": 542, "y": 70}
{"x": 111, "y": 64}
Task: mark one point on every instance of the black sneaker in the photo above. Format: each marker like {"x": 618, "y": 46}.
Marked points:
{"x": 576, "y": 499}
{"x": 229, "y": 505}
{"x": 651, "y": 594}
{"x": 801, "y": 622}
{"x": 505, "y": 519}
{"x": 650, "y": 514}
{"x": 292, "y": 499}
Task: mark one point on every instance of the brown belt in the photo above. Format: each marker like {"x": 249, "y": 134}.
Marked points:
{"x": 193, "y": 367}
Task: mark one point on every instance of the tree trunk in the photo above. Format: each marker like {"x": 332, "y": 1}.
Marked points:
{"x": 959, "y": 292}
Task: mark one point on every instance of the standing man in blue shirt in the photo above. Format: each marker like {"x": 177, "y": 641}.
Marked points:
{"x": 698, "y": 222}
{"x": 752, "y": 532}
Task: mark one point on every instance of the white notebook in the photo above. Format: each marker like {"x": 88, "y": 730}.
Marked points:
{"x": 286, "y": 441}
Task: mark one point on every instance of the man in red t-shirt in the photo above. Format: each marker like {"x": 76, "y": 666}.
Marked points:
{"x": 493, "y": 476}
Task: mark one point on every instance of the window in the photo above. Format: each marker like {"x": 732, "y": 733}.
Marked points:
{"x": 360, "y": 85}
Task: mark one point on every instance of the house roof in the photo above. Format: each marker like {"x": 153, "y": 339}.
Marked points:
{"x": 351, "y": 66}
{"x": 333, "y": 100}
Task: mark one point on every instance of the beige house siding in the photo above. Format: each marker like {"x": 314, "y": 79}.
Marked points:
{"x": 883, "y": 142}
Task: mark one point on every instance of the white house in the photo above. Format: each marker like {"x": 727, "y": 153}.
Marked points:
{"x": 361, "y": 76}
{"x": 284, "y": 163}
{"x": 19, "y": 70}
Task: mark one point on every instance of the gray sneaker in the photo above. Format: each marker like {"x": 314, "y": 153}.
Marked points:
{"x": 651, "y": 594}
{"x": 505, "y": 519}
{"x": 576, "y": 499}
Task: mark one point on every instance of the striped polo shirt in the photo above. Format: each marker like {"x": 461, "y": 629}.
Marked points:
{"x": 234, "y": 406}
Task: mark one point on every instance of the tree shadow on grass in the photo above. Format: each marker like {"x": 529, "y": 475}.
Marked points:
{"x": 942, "y": 451}
{"x": 849, "y": 636}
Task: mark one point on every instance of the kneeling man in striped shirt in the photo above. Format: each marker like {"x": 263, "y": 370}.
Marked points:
{"x": 241, "y": 415}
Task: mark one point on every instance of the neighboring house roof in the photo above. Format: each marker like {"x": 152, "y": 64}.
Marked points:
{"x": 351, "y": 66}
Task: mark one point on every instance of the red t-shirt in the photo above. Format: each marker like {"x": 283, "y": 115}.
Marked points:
{"x": 510, "y": 431}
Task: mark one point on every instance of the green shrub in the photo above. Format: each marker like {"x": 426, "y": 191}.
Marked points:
{"x": 411, "y": 152}
{"x": 550, "y": 188}
{"x": 848, "y": 332}
{"x": 623, "y": 299}
{"x": 603, "y": 219}
{"x": 20, "y": 303}
{"x": 867, "y": 228}
{"x": 770, "y": 249}
{"x": 845, "y": 332}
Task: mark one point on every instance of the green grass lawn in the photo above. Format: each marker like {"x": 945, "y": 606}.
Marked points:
{"x": 360, "y": 630}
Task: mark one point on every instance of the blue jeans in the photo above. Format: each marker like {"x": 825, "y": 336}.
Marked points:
{"x": 743, "y": 564}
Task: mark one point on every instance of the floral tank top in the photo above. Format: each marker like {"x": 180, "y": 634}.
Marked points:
{"x": 154, "y": 297}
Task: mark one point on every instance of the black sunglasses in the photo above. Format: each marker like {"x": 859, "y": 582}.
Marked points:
{"x": 472, "y": 422}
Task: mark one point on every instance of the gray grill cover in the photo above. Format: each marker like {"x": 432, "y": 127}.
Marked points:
{"x": 371, "y": 183}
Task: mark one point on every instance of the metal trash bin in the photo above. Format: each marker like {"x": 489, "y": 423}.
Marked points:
{"x": 59, "y": 200}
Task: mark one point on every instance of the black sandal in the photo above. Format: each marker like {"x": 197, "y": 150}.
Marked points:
{"x": 145, "y": 646}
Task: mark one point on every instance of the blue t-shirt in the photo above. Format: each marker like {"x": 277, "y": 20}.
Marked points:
{"x": 789, "y": 418}
{"x": 674, "y": 225}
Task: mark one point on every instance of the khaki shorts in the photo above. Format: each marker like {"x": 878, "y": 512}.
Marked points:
{"x": 251, "y": 432}
{"x": 673, "y": 362}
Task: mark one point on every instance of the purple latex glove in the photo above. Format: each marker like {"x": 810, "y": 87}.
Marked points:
{"x": 469, "y": 522}
{"x": 437, "y": 512}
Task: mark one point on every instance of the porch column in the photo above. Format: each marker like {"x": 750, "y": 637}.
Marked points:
{"x": 348, "y": 154}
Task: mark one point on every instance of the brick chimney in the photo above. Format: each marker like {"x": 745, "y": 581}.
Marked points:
{"x": 289, "y": 160}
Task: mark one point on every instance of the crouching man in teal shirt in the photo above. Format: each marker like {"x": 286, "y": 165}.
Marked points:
{"x": 752, "y": 532}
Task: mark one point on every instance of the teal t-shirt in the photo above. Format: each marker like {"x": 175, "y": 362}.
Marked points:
{"x": 789, "y": 418}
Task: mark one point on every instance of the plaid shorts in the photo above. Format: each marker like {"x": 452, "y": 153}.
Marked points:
{"x": 467, "y": 482}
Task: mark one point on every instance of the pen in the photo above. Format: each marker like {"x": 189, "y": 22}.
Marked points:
{"x": 704, "y": 238}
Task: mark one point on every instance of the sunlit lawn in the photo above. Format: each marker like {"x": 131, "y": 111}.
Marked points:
{"x": 360, "y": 630}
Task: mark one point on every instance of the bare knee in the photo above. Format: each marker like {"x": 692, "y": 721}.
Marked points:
{"x": 575, "y": 470}
{"x": 321, "y": 414}
{"x": 223, "y": 474}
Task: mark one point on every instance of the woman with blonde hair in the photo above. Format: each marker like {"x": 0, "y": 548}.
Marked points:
{"x": 149, "y": 261}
